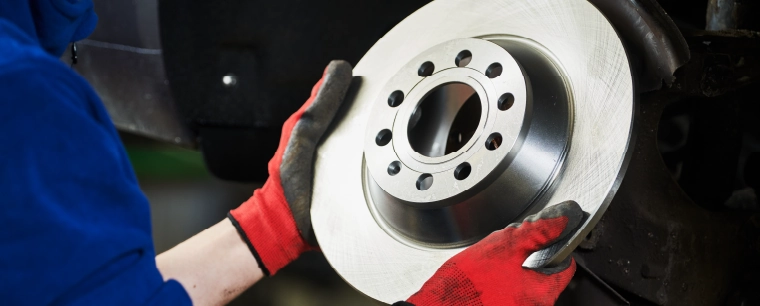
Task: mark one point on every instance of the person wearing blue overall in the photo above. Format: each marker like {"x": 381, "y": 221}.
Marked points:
{"x": 75, "y": 226}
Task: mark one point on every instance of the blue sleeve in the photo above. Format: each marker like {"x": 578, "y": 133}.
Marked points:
{"x": 74, "y": 226}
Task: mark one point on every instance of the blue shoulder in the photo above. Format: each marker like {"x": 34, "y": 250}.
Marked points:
{"x": 27, "y": 72}
{"x": 79, "y": 226}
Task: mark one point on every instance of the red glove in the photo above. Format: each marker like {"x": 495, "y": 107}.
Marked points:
{"x": 275, "y": 221}
{"x": 490, "y": 272}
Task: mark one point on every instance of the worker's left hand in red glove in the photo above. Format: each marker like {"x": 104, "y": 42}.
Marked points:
{"x": 275, "y": 222}
{"x": 490, "y": 272}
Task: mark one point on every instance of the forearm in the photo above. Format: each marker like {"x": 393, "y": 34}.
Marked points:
{"x": 214, "y": 266}
{"x": 217, "y": 265}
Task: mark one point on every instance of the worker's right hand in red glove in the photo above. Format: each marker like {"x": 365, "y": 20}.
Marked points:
{"x": 490, "y": 272}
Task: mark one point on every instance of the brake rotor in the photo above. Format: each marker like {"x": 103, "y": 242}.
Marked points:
{"x": 469, "y": 116}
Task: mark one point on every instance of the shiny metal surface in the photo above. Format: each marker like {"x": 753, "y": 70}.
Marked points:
{"x": 558, "y": 44}
{"x": 500, "y": 182}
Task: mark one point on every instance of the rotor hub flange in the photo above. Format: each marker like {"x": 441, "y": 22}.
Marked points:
{"x": 445, "y": 138}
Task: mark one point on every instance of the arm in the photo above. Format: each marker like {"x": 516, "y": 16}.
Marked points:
{"x": 214, "y": 266}
{"x": 273, "y": 227}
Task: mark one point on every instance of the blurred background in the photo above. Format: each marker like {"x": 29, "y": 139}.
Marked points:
{"x": 186, "y": 199}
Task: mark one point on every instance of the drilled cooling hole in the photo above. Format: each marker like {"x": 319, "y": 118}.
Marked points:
{"x": 463, "y": 58}
{"x": 493, "y": 142}
{"x": 445, "y": 120}
{"x": 425, "y": 181}
{"x": 462, "y": 171}
{"x": 395, "y": 98}
{"x": 506, "y": 101}
{"x": 494, "y": 70}
{"x": 384, "y": 137}
{"x": 426, "y": 69}
{"x": 394, "y": 168}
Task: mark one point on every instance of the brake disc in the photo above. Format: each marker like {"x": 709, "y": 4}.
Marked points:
{"x": 471, "y": 115}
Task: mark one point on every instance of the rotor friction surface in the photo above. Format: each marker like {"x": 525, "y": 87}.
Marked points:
{"x": 577, "y": 38}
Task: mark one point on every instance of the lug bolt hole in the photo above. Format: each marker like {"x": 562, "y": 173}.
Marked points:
{"x": 463, "y": 58}
{"x": 384, "y": 137}
{"x": 396, "y": 98}
{"x": 462, "y": 171}
{"x": 494, "y": 70}
{"x": 394, "y": 168}
{"x": 426, "y": 69}
{"x": 506, "y": 101}
{"x": 493, "y": 142}
{"x": 425, "y": 181}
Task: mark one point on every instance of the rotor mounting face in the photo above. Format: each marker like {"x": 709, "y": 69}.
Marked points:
{"x": 565, "y": 135}
{"x": 441, "y": 86}
{"x": 455, "y": 143}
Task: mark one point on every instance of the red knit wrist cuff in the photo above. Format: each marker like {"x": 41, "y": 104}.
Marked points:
{"x": 267, "y": 225}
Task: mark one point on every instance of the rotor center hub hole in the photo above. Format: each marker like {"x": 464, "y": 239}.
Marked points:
{"x": 444, "y": 120}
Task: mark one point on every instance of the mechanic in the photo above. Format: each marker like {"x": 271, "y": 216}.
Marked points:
{"x": 76, "y": 227}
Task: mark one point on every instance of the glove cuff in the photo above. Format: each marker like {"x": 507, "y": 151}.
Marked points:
{"x": 267, "y": 226}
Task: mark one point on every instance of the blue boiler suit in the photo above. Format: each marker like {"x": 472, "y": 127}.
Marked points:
{"x": 74, "y": 225}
